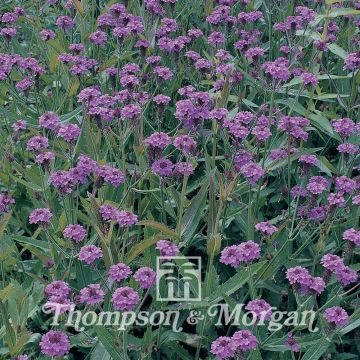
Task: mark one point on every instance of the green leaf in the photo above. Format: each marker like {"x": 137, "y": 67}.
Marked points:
{"x": 139, "y": 248}
{"x": 161, "y": 227}
{"x": 193, "y": 213}
{"x": 322, "y": 123}
{"x": 318, "y": 349}
{"x": 4, "y": 221}
{"x": 100, "y": 353}
{"x": 43, "y": 245}
{"x": 108, "y": 340}
{"x": 337, "y": 50}
{"x": 234, "y": 283}
{"x": 343, "y": 12}
{"x": 354, "y": 322}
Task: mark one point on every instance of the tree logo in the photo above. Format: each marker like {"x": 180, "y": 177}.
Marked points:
{"x": 178, "y": 278}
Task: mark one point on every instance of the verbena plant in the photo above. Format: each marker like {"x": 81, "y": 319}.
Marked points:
{"x": 219, "y": 129}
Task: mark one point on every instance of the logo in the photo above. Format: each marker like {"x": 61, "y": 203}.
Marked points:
{"x": 178, "y": 278}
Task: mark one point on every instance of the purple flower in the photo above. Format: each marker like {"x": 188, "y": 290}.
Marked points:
{"x": 317, "y": 214}
{"x": 9, "y": 17}
{"x": 69, "y": 132}
{"x": 162, "y": 99}
{"x": 285, "y": 49}
{"x": 249, "y": 17}
{"x": 348, "y": 148}
{"x": 241, "y": 158}
{"x": 129, "y": 81}
{"x": 107, "y": 212}
{"x": 63, "y": 181}
{"x": 130, "y": 68}
{"x": 260, "y": 308}
{"x": 5, "y": 201}
{"x": 292, "y": 343}
{"x": 125, "y": 298}
{"x": 336, "y": 315}
{"x": 65, "y": 23}
{"x": 98, "y": 37}
{"x": 143, "y": 44}
{"x": 185, "y": 143}
{"x": 298, "y": 191}
{"x": 223, "y": 347}
{"x": 336, "y": 200}
{"x": 167, "y": 248}
{"x": 88, "y": 94}
{"x": 298, "y": 275}
{"x": 84, "y": 168}
{"x": 223, "y": 55}
{"x": 90, "y": 253}
{"x": 49, "y": 120}
{"x": 216, "y": 38}
{"x": 44, "y": 158}
{"x": 253, "y": 54}
{"x": 231, "y": 256}
{"x": 153, "y": 60}
{"x": 252, "y": 171}
{"x": 184, "y": 168}
{"x": 344, "y": 127}
{"x": 244, "y": 340}
{"x": 218, "y": 114}
{"x": 352, "y": 235}
{"x": 125, "y": 218}
{"x": 146, "y": 277}
{"x": 194, "y": 33}
{"x": 193, "y": 55}
{"x": 19, "y": 125}
{"x": 55, "y": 343}
{"x": 118, "y": 10}
{"x": 158, "y": 140}
{"x": 162, "y": 167}
{"x": 203, "y": 65}
{"x": 332, "y": 262}
{"x": 24, "y": 85}
{"x": 47, "y": 35}
{"x": 111, "y": 175}
{"x": 163, "y": 72}
{"x": 316, "y": 285}
{"x": 9, "y": 33}
{"x": 309, "y": 79}
{"x": 21, "y": 357}
{"x": 266, "y": 228}
{"x": 77, "y": 48}
{"x": 92, "y": 294}
{"x": 62, "y": 305}
{"x": 261, "y": 132}
{"x": 74, "y": 232}
{"x": 19, "y": 11}
{"x": 57, "y": 290}
{"x": 317, "y": 185}
{"x": 308, "y": 15}
{"x": 345, "y": 184}
{"x": 131, "y": 112}
{"x": 249, "y": 251}
{"x": 356, "y": 200}
{"x": 346, "y": 275}
{"x": 119, "y": 272}
{"x": 294, "y": 125}
{"x": 278, "y": 69}
{"x": 41, "y": 215}
{"x": 37, "y": 142}
{"x": 352, "y": 61}
{"x": 308, "y": 160}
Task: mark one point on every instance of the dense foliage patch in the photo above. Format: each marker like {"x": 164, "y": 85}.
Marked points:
{"x": 219, "y": 129}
